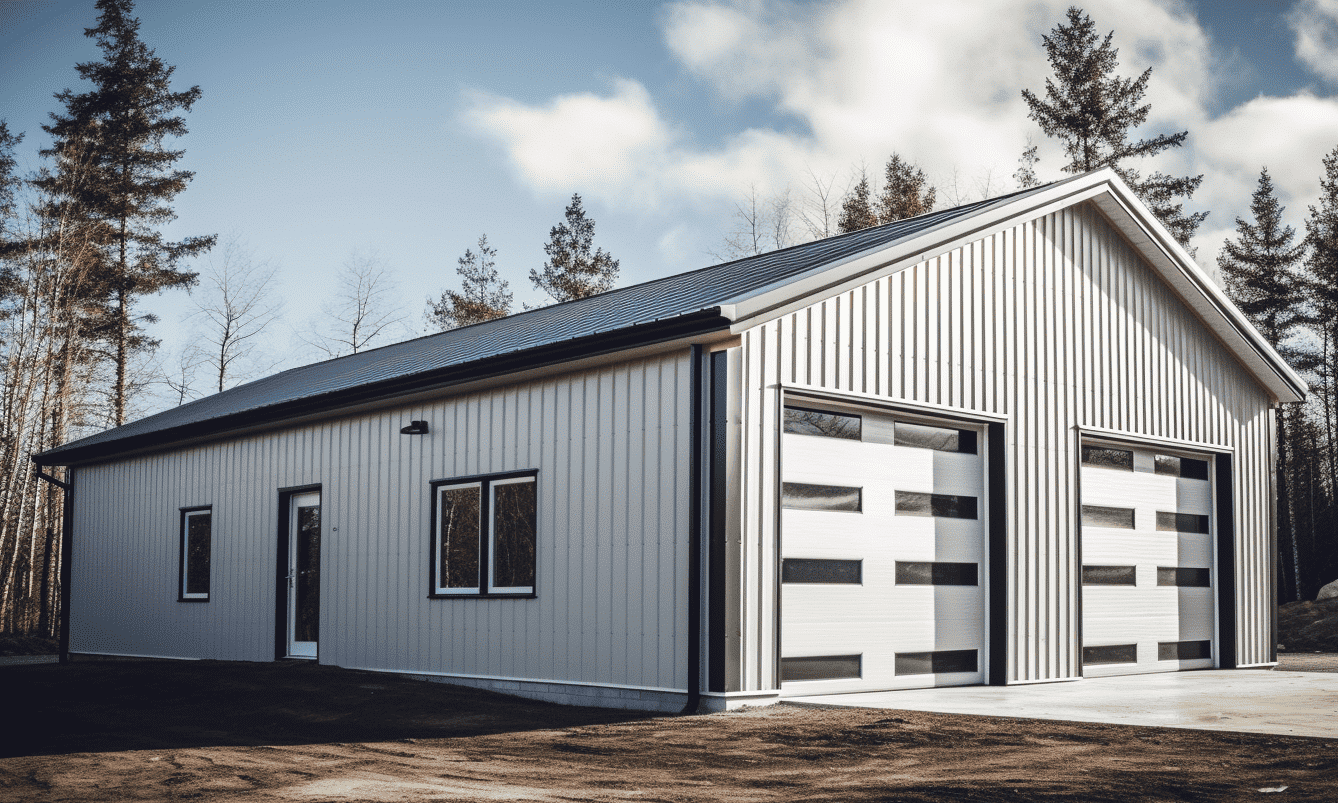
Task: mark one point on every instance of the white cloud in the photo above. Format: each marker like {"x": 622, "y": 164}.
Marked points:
{"x": 1315, "y": 23}
{"x": 938, "y": 83}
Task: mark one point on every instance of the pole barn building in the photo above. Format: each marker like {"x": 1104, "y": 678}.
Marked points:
{"x": 1018, "y": 441}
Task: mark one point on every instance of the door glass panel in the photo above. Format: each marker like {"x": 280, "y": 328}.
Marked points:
{"x": 821, "y": 667}
{"x": 1184, "y": 577}
{"x": 1098, "y": 516}
{"x": 1109, "y": 576}
{"x": 941, "y": 661}
{"x": 937, "y": 574}
{"x": 945, "y": 506}
{"x": 803, "y": 496}
{"x": 805, "y": 570}
{"x": 941, "y": 439}
{"x": 513, "y": 535}
{"x": 1185, "y": 467}
{"x": 1181, "y": 522}
{"x": 1110, "y": 654}
{"x": 1184, "y": 650}
{"x": 1108, "y": 458}
{"x": 308, "y": 574}
{"x": 458, "y": 523}
{"x": 799, "y": 421}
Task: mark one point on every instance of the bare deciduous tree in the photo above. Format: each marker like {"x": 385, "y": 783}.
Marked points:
{"x": 234, "y": 306}
{"x": 364, "y": 310}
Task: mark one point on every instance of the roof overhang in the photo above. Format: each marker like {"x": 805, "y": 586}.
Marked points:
{"x": 1126, "y": 213}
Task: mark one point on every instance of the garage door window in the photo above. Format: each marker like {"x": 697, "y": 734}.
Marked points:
{"x": 821, "y": 667}
{"x": 947, "y": 506}
{"x": 1184, "y": 650}
{"x": 1110, "y": 654}
{"x": 1109, "y": 576}
{"x": 804, "y": 496}
{"x": 1182, "y": 522}
{"x": 804, "y": 570}
{"x": 925, "y": 663}
{"x": 942, "y": 439}
{"x": 1104, "y": 457}
{"x": 1118, "y": 517}
{"x": 1185, "y": 467}
{"x": 1183, "y": 577}
{"x": 937, "y": 574}
{"x": 801, "y": 421}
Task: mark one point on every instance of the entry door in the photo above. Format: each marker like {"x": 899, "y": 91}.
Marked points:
{"x": 883, "y": 559}
{"x": 1147, "y": 552}
{"x": 304, "y": 574}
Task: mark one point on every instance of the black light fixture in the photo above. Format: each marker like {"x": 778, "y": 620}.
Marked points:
{"x": 414, "y": 428}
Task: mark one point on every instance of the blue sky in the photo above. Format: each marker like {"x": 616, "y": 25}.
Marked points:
{"x": 410, "y": 128}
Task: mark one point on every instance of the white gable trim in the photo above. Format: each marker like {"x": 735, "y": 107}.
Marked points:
{"x": 1126, "y": 214}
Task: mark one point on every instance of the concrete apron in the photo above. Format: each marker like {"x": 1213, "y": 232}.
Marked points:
{"x": 1249, "y": 700}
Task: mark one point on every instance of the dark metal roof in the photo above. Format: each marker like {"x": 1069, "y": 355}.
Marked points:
{"x": 643, "y": 313}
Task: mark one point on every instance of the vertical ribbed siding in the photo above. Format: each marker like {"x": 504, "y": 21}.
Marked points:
{"x": 1058, "y": 324}
{"x": 611, "y": 446}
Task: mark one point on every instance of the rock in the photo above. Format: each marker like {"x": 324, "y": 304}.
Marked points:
{"x": 1329, "y": 591}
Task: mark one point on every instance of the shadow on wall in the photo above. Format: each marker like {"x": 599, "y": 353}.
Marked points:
{"x": 94, "y": 705}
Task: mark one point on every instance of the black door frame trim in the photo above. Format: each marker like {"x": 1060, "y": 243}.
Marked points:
{"x": 281, "y": 577}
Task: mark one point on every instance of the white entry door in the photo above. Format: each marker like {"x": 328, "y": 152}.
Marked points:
{"x": 883, "y": 560}
{"x": 1147, "y": 553}
{"x": 304, "y": 574}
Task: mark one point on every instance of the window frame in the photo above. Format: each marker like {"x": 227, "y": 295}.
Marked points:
{"x": 484, "y": 589}
{"x": 183, "y": 534}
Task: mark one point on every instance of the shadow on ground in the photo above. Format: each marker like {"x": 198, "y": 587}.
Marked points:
{"x": 105, "y": 706}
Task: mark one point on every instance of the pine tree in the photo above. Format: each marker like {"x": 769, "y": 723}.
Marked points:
{"x": 572, "y": 270}
{"x": 483, "y": 296}
{"x": 1322, "y": 279}
{"x": 115, "y": 132}
{"x": 906, "y": 192}
{"x": 1092, "y": 111}
{"x": 857, "y": 210}
{"x": 1261, "y": 273}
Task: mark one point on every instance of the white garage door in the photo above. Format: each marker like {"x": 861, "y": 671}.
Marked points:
{"x": 883, "y": 560}
{"x": 1147, "y": 555}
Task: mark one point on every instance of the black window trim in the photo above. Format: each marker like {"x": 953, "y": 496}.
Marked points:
{"x": 183, "y": 514}
{"x": 484, "y": 481}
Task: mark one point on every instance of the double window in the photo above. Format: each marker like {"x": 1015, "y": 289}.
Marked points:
{"x": 196, "y": 545}
{"x": 483, "y": 535}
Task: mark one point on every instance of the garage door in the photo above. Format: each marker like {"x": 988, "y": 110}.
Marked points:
{"x": 1147, "y": 555}
{"x": 882, "y": 552}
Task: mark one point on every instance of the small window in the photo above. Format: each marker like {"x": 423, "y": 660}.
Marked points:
{"x": 803, "y": 496}
{"x": 799, "y": 421}
{"x": 945, "y": 506}
{"x": 1182, "y": 522}
{"x": 1109, "y": 576}
{"x": 937, "y": 574}
{"x": 196, "y": 546}
{"x": 1121, "y": 518}
{"x": 821, "y": 667}
{"x": 1105, "y": 457}
{"x": 1184, "y": 650}
{"x": 804, "y": 570}
{"x": 940, "y": 439}
{"x": 484, "y": 536}
{"x": 1110, "y": 654}
{"x": 1185, "y": 467}
{"x": 942, "y": 661}
{"x": 1183, "y": 577}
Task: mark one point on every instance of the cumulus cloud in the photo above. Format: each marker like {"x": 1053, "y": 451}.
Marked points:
{"x": 938, "y": 83}
{"x": 1315, "y": 23}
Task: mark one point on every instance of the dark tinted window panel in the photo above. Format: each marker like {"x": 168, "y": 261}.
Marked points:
{"x": 947, "y": 506}
{"x": 1184, "y": 650}
{"x": 937, "y": 574}
{"x": 1182, "y": 522}
{"x": 942, "y": 439}
{"x": 800, "y": 421}
{"x": 1181, "y": 576}
{"x": 822, "y": 667}
{"x": 514, "y": 512}
{"x": 927, "y": 663}
{"x": 1118, "y": 517}
{"x": 1103, "y": 457}
{"x": 802, "y": 496}
{"x": 197, "y": 553}
{"x": 1109, "y": 576}
{"x": 1110, "y": 654}
{"x": 803, "y": 570}
{"x": 458, "y": 531}
{"x": 1185, "y": 467}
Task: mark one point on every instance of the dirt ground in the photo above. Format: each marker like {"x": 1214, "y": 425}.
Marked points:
{"x": 1308, "y": 626}
{"x": 170, "y": 730}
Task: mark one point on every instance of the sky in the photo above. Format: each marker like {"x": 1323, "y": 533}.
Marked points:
{"x": 409, "y": 129}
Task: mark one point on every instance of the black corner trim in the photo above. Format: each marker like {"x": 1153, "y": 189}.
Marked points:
{"x": 1226, "y": 570}
{"x": 997, "y": 472}
{"x": 717, "y": 603}
{"x": 695, "y": 534}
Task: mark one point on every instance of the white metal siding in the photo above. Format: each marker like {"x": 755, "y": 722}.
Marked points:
{"x": 1056, "y": 323}
{"x": 612, "y": 449}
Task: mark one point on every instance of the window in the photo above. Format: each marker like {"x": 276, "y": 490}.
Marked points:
{"x": 1118, "y": 517}
{"x": 1182, "y": 522}
{"x": 821, "y": 667}
{"x": 942, "y": 661}
{"x": 800, "y": 421}
{"x": 1184, "y": 577}
{"x": 1184, "y": 650}
{"x": 1103, "y": 457}
{"x": 483, "y": 536}
{"x": 1110, "y": 654}
{"x": 804, "y": 570}
{"x": 940, "y": 439}
{"x": 937, "y": 574}
{"x": 944, "y": 506}
{"x": 802, "y": 496}
{"x": 196, "y": 536}
{"x": 1185, "y": 467}
{"x": 1109, "y": 576}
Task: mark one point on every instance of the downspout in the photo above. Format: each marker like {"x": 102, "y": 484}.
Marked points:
{"x": 66, "y": 548}
{"x": 695, "y": 537}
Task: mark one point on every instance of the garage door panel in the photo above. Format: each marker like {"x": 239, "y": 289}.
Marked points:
{"x": 1169, "y": 546}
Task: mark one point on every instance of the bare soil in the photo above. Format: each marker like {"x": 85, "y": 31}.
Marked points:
{"x": 11, "y": 644}
{"x": 168, "y": 730}
{"x": 1310, "y": 626}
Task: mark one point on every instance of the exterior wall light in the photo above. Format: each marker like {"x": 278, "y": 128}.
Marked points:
{"x": 414, "y": 428}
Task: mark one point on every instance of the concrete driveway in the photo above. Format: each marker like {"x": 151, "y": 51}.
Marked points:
{"x": 1250, "y": 700}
